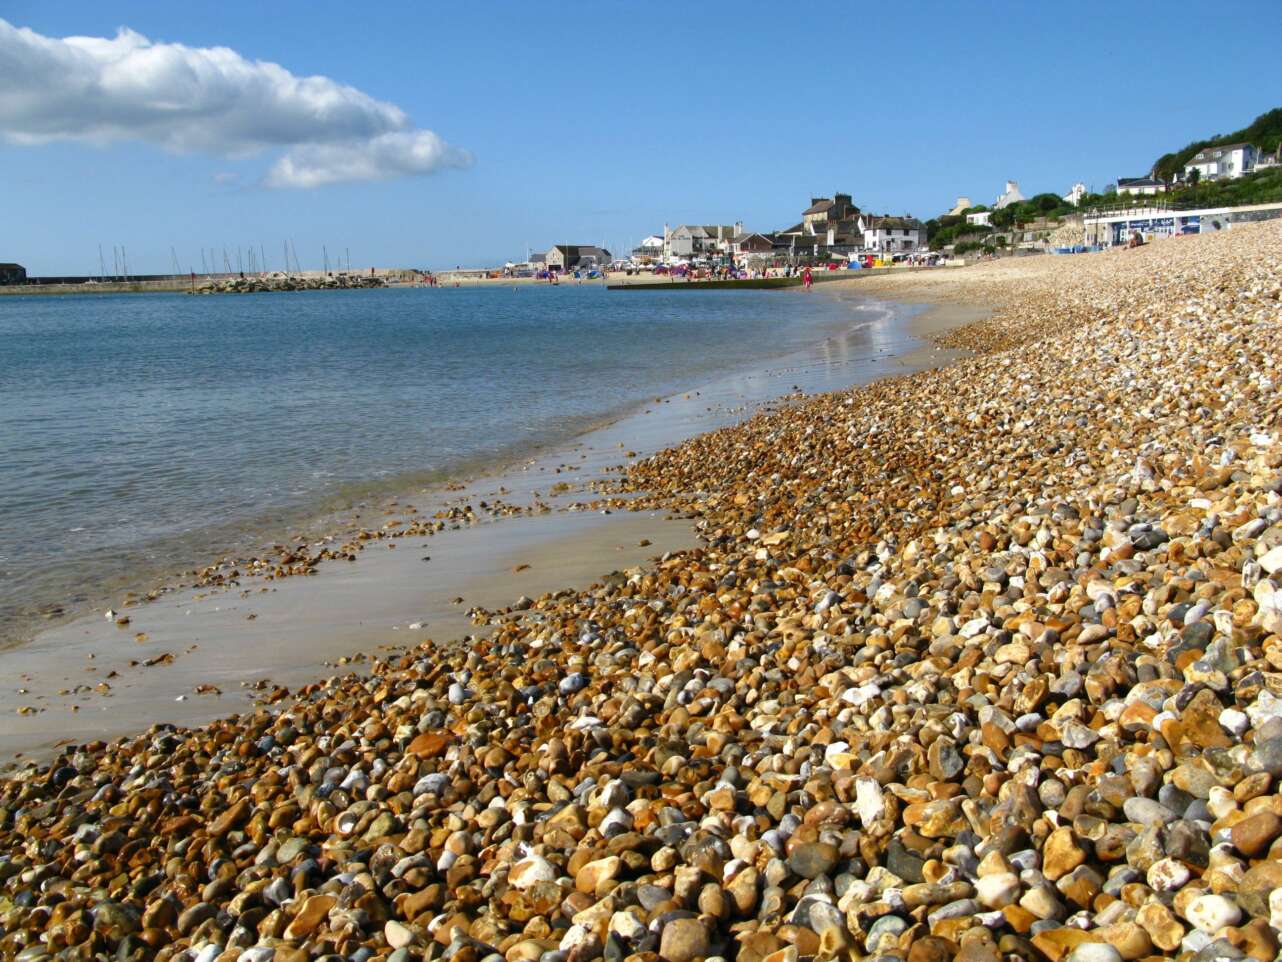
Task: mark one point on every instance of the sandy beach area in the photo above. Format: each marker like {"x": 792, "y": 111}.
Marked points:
{"x": 980, "y": 662}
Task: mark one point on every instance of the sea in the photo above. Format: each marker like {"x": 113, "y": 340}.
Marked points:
{"x": 144, "y": 435}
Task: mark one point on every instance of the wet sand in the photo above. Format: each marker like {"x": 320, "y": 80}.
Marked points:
{"x": 213, "y": 652}
{"x": 292, "y": 632}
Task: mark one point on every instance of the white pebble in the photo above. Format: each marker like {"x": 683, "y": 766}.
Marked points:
{"x": 1167, "y": 875}
{"x": 1235, "y": 721}
{"x": 1095, "y": 952}
{"x": 1210, "y": 913}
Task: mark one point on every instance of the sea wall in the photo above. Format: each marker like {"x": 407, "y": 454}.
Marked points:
{"x": 161, "y": 284}
{"x": 107, "y": 287}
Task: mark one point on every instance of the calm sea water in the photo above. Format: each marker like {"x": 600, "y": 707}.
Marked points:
{"x": 148, "y": 432}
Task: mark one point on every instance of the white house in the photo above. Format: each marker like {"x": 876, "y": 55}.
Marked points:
{"x": 983, "y": 218}
{"x": 892, "y": 233}
{"x": 1222, "y": 163}
{"x": 649, "y": 250}
{"x": 1075, "y": 195}
{"x": 1010, "y": 195}
{"x": 690, "y": 241}
{"x": 1140, "y": 186}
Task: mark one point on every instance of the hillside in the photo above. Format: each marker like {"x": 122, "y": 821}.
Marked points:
{"x": 1265, "y": 132}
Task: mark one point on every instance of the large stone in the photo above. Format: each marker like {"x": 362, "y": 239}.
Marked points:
{"x": 1211, "y": 913}
{"x": 998, "y": 891}
{"x": 531, "y": 870}
{"x": 941, "y": 819}
{"x": 1061, "y": 854}
{"x": 1200, "y": 721}
{"x": 683, "y": 940}
{"x": 812, "y": 859}
{"x": 116, "y": 920}
{"x": 1254, "y": 834}
{"x": 231, "y": 818}
{"x": 932, "y": 948}
{"x": 192, "y": 917}
{"x": 1256, "y": 885}
{"x": 309, "y": 916}
{"x": 1147, "y": 812}
{"x": 1161, "y": 925}
{"x": 398, "y": 935}
{"x": 1094, "y": 952}
{"x": 430, "y": 744}
{"x": 594, "y": 873}
{"x": 944, "y": 759}
{"x": 743, "y": 889}
{"x": 904, "y": 862}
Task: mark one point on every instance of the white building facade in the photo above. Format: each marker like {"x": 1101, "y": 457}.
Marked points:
{"x": 1222, "y": 163}
{"x": 693, "y": 241}
{"x": 892, "y": 234}
{"x": 1010, "y": 195}
{"x": 649, "y": 251}
{"x": 1113, "y": 228}
{"x": 1140, "y": 186}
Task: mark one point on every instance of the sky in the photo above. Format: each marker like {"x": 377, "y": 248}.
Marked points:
{"x": 437, "y": 135}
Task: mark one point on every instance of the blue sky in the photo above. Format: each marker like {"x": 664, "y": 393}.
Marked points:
{"x": 458, "y": 134}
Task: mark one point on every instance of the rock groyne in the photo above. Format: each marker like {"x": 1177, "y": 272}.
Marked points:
{"x": 274, "y": 284}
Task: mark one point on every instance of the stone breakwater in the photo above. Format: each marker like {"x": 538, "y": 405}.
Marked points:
{"x": 977, "y": 664}
{"x": 261, "y": 285}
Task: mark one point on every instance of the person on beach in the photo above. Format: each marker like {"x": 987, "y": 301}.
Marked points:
{"x": 806, "y": 279}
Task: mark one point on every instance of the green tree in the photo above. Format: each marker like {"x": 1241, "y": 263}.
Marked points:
{"x": 1265, "y": 132}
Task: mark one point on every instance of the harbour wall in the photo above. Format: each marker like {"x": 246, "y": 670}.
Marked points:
{"x": 175, "y": 283}
{"x": 101, "y": 287}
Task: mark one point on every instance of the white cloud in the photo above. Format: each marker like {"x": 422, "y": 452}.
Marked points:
{"x": 388, "y": 155}
{"x": 206, "y": 99}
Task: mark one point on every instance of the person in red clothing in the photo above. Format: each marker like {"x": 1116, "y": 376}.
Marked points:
{"x": 806, "y": 279}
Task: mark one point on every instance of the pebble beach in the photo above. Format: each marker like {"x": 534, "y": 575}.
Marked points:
{"x": 979, "y": 663}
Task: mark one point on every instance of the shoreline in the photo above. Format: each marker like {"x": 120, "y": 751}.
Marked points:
{"x": 619, "y": 280}
{"x": 981, "y": 662}
{"x": 182, "y": 558}
{"x": 521, "y": 493}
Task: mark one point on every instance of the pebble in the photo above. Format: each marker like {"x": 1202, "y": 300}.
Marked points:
{"x": 1211, "y": 913}
{"x": 683, "y": 940}
{"x": 1253, "y": 835}
{"x": 812, "y": 859}
{"x": 1094, "y": 952}
{"x": 971, "y": 664}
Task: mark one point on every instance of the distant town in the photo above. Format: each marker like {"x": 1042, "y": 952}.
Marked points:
{"x": 1207, "y": 186}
